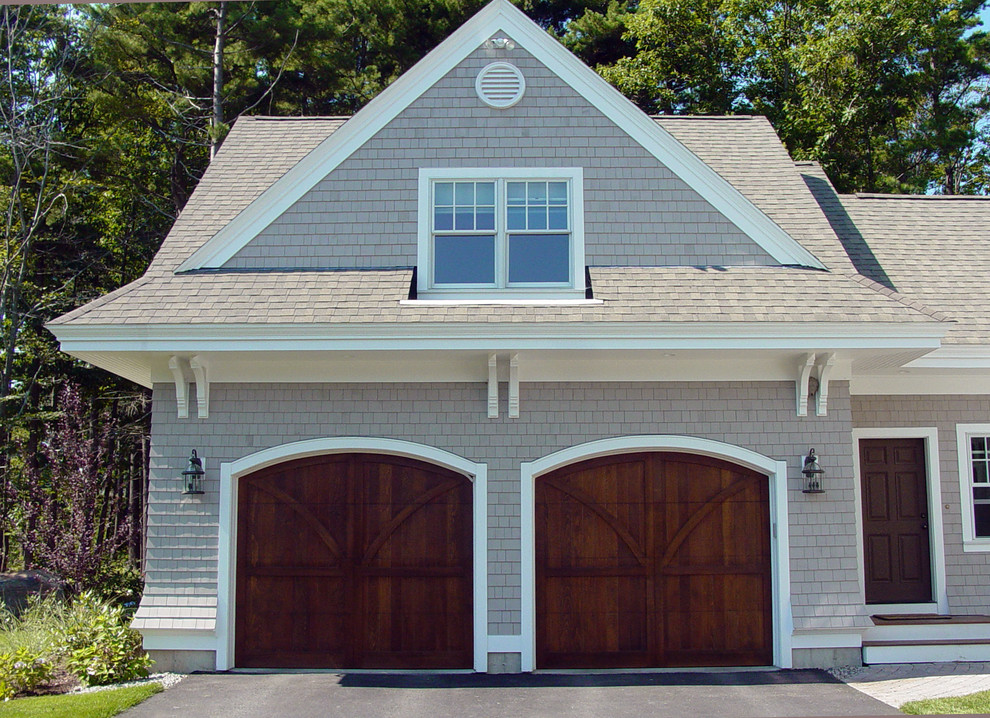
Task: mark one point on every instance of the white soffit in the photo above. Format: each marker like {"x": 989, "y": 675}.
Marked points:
{"x": 975, "y": 356}
{"x": 499, "y": 16}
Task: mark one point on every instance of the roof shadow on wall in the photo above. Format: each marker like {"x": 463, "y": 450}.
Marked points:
{"x": 579, "y": 680}
{"x": 857, "y": 249}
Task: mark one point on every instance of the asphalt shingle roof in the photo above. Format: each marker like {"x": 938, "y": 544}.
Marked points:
{"x": 628, "y": 294}
{"x": 745, "y": 151}
{"x": 931, "y": 248}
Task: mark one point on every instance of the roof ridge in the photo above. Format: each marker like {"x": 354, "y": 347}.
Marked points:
{"x": 879, "y": 195}
{"x": 898, "y": 297}
{"x": 291, "y": 118}
{"x": 707, "y": 117}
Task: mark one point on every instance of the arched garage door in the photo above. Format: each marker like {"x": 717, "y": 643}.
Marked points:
{"x": 354, "y": 561}
{"x": 652, "y": 560}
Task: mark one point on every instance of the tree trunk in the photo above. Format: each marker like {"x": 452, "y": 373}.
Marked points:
{"x": 32, "y": 451}
{"x": 216, "y": 118}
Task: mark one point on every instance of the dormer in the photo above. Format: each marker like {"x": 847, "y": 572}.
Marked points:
{"x": 504, "y": 232}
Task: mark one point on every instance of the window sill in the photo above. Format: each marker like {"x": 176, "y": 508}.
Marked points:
{"x": 509, "y": 301}
{"x": 981, "y": 545}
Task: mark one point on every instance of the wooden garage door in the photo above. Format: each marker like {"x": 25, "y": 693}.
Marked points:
{"x": 354, "y": 561}
{"x": 653, "y": 559}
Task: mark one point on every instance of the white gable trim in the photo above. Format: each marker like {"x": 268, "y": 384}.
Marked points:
{"x": 498, "y": 16}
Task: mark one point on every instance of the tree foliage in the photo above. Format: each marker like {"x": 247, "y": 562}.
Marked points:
{"x": 76, "y": 514}
{"x": 109, "y": 114}
{"x": 889, "y": 95}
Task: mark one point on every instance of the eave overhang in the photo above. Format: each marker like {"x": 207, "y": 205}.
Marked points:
{"x": 137, "y": 351}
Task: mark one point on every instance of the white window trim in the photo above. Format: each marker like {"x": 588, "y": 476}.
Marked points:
{"x": 424, "y": 259}
{"x": 971, "y": 544}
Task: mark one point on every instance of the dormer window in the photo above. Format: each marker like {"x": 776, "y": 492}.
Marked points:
{"x": 501, "y": 232}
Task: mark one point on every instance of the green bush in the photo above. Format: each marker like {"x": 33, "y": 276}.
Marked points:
{"x": 122, "y": 583}
{"x": 21, "y": 671}
{"x": 98, "y": 646}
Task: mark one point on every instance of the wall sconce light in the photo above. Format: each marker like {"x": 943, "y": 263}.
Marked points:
{"x": 192, "y": 478}
{"x": 814, "y": 474}
{"x": 499, "y": 43}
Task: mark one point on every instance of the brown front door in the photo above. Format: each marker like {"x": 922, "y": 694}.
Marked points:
{"x": 651, "y": 560}
{"x": 895, "y": 521}
{"x": 354, "y": 561}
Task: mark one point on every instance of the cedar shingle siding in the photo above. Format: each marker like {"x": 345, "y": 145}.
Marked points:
{"x": 692, "y": 334}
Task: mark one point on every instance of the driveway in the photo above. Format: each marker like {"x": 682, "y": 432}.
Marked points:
{"x": 614, "y": 695}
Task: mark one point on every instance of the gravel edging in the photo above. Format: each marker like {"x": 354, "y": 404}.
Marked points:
{"x": 166, "y": 679}
{"x": 844, "y": 673}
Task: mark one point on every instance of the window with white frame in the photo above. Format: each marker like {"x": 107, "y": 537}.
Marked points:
{"x": 518, "y": 231}
{"x": 974, "y": 482}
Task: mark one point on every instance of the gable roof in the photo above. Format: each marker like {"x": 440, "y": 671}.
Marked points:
{"x": 744, "y": 150}
{"x": 931, "y": 248}
{"x": 728, "y": 295}
{"x": 256, "y": 153}
{"x": 499, "y": 16}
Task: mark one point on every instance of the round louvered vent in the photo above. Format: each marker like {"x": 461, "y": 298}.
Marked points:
{"x": 500, "y": 85}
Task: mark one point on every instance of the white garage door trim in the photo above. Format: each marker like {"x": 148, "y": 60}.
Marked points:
{"x": 779, "y": 545}
{"x": 227, "y": 559}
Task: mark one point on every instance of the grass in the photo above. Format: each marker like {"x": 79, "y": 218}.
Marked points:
{"x": 973, "y": 703}
{"x": 100, "y": 704}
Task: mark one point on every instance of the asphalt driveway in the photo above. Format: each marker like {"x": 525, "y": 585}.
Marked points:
{"x": 613, "y": 695}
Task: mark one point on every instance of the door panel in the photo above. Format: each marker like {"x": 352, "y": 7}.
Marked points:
{"x": 354, "y": 561}
{"x": 895, "y": 521}
{"x": 653, "y": 559}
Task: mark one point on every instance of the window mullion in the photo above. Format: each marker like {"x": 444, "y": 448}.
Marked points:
{"x": 501, "y": 240}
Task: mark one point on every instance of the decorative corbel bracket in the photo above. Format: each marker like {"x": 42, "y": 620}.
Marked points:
{"x": 200, "y": 370}
{"x": 824, "y": 368}
{"x": 801, "y": 385}
{"x": 492, "y": 386}
{"x": 514, "y": 386}
{"x": 178, "y": 365}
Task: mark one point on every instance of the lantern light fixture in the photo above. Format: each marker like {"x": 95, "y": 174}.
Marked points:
{"x": 192, "y": 477}
{"x": 814, "y": 474}
{"x": 500, "y": 43}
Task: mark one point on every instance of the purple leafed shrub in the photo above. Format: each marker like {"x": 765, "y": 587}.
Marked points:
{"x": 74, "y": 514}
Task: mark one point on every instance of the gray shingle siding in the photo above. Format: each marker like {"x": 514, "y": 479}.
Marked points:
{"x": 364, "y": 213}
{"x": 245, "y": 418}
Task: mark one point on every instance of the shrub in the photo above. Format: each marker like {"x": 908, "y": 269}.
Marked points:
{"x": 36, "y": 626}
{"x": 122, "y": 583}
{"x": 21, "y": 671}
{"x": 98, "y": 646}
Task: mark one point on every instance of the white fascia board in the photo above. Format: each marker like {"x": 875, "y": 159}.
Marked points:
{"x": 498, "y": 16}
{"x": 508, "y": 336}
{"x": 954, "y": 357}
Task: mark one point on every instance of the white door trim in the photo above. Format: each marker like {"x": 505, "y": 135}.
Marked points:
{"x": 227, "y": 559}
{"x": 776, "y": 471}
{"x": 936, "y": 537}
